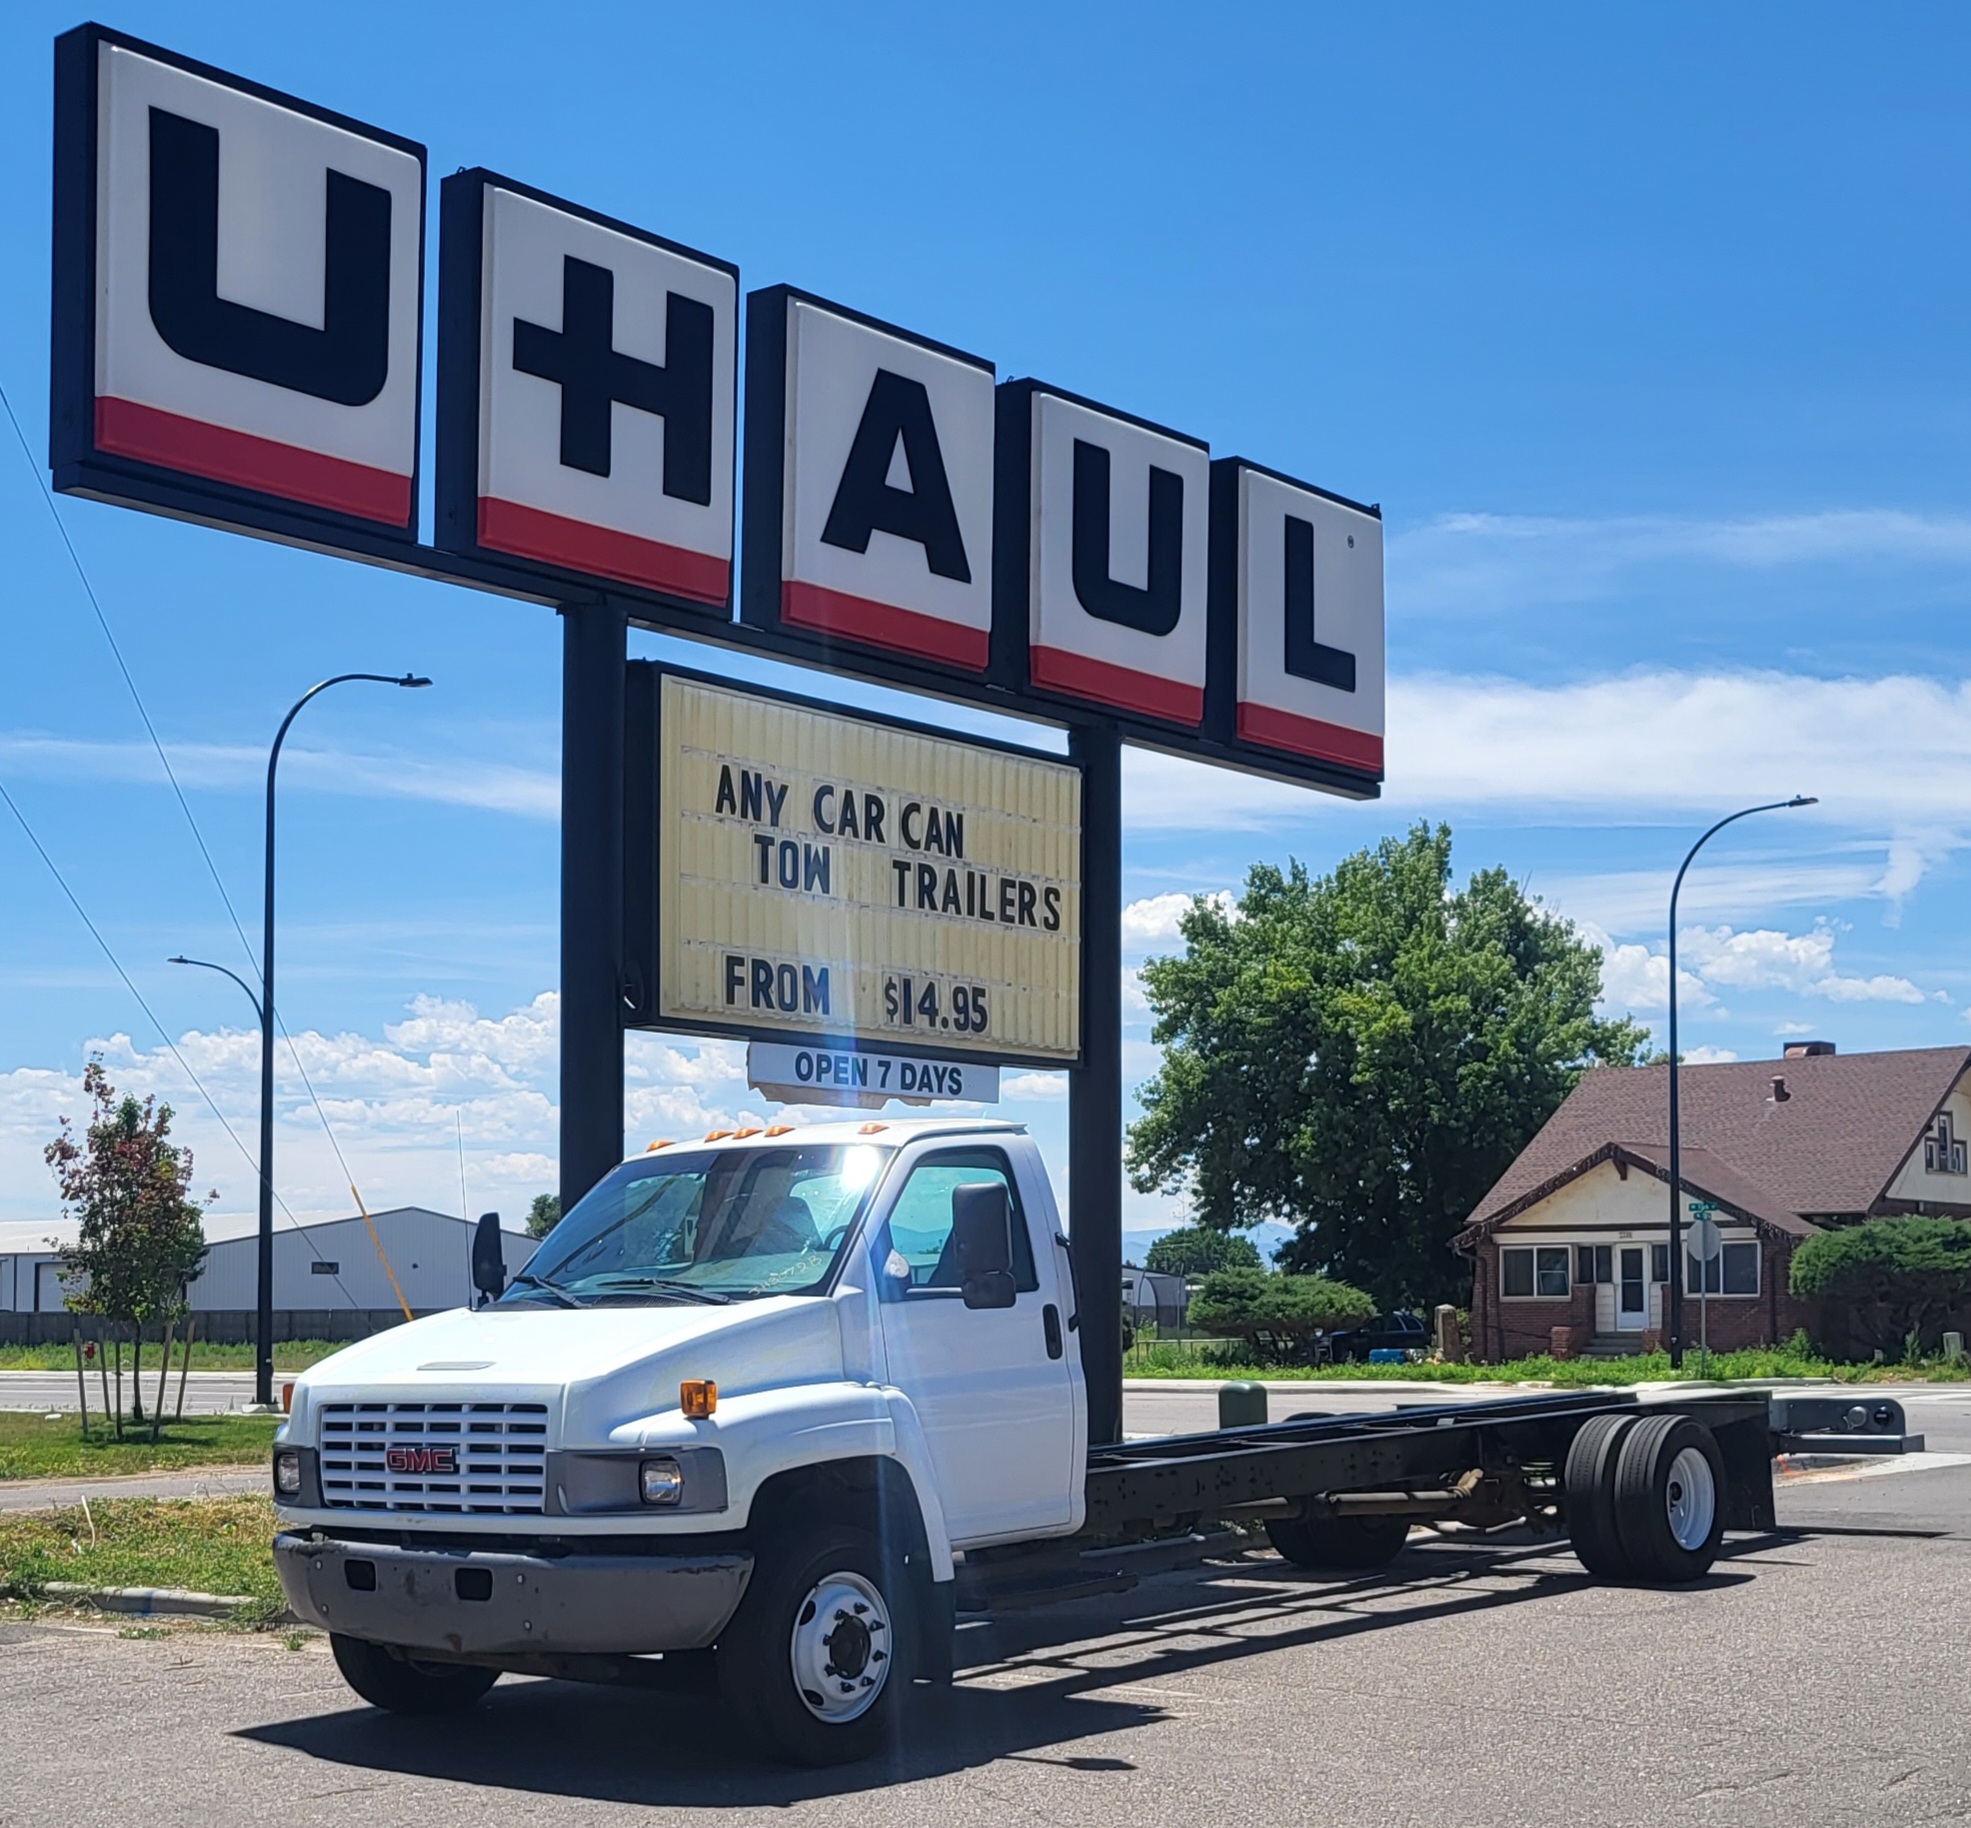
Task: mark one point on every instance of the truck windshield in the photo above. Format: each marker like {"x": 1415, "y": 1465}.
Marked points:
{"x": 718, "y": 1225}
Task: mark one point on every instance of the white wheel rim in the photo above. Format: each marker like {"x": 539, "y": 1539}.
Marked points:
{"x": 840, "y": 1648}
{"x": 1691, "y": 1498}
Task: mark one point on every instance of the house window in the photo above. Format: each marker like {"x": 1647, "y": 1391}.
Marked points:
{"x": 1943, "y": 1150}
{"x": 1536, "y": 1274}
{"x": 1733, "y": 1271}
{"x": 1659, "y": 1263}
{"x": 323, "y": 1267}
{"x": 1594, "y": 1263}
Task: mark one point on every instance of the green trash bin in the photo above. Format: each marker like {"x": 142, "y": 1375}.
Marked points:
{"x": 1241, "y": 1405}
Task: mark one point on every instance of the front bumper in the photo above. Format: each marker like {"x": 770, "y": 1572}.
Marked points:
{"x": 484, "y": 1603}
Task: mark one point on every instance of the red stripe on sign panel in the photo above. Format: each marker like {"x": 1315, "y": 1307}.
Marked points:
{"x": 603, "y": 552}
{"x": 1057, "y": 670}
{"x": 172, "y": 442}
{"x": 1311, "y": 736}
{"x": 904, "y": 631}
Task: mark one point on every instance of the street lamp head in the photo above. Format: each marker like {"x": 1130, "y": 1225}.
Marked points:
{"x": 413, "y": 680}
{"x": 177, "y": 958}
{"x": 1804, "y": 799}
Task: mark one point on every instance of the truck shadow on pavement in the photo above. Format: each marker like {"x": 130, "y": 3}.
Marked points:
{"x": 1036, "y": 1687}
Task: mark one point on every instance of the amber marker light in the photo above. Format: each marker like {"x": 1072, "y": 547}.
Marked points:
{"x": 287, "y": 1399}
{"x": 780, "y": 1129}
{"x": 717, "y": 1135}
{"x": 698, "y": 1397}
{"x": 663, "y": 1142}
{"x": 870, "y": 1129}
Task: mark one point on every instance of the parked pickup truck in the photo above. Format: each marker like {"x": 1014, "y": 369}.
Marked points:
{"x": 772, "y": 1409}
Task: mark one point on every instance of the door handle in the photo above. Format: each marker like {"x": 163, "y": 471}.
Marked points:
{"x": 1050, "y": 1322}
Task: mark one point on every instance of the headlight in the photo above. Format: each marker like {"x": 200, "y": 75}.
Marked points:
{"x": 287, "y": 1474}
{"x": 662, "y": 1482}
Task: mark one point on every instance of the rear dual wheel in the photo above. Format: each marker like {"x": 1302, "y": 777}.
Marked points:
{"x": 1643, "y": 1497}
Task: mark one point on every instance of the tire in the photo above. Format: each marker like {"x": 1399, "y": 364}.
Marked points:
{"x": 1339, "y": 1543}
{"x": 1587, "y": 1487}
{"x": 1669, "y": 1491}
{"x": 819, "y": 1657}
{"x": 387, "y": 1680}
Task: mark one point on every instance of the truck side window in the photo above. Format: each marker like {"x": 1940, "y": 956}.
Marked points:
{"x": 913, "y": 1252}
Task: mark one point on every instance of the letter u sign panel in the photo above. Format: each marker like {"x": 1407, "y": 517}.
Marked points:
{"x": 237, "y": 287}
{"x": 586, "y": 376}
{"x": 1103, "y": 522}
{"x": 869, "y": 455}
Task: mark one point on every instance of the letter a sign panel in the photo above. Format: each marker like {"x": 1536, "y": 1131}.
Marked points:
{"x": 868, "y": 483}
{"x": 586, "y": 376}
{"x": 236, "y": 312}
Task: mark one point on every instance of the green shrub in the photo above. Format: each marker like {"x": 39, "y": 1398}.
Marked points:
{"x": 1275, "y": 1312}
{"x": 1898, "y": 1282}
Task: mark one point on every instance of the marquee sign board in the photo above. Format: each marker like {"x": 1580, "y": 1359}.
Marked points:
{"x": 587, "y": 380}
{"x": 796, "y": 873}
{"x": 237, "y": 321}
{"x": 1297, "y": 618}
{"x": 869, "y": 474}
{"x": 1104, "y": 521}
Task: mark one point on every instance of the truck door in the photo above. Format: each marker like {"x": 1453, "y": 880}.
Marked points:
{"x": 991, "y": 1386}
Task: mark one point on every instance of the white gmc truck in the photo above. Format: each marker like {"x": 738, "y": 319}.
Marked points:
{"x": 771, "y": 1409}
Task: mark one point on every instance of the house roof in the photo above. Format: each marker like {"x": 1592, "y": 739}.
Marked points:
{"x": 37, "y": 1237}
{"x": 1831, "y": 1147}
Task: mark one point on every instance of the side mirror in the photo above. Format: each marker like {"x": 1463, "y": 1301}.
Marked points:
{"x": 488, "y": 1258}
{"x": 982, "y": 1225}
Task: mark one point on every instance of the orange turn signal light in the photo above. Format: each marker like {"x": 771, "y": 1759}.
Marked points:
{"x": 287, "y": 1399}
{"x": 698, "y": 1397}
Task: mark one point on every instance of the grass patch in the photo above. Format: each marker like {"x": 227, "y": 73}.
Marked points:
{"x": 211, "y": 1545}
{"x": 32, "y": 1447}
{"x": 289, "y": 1355}
{"x": 1218, "y": 1359}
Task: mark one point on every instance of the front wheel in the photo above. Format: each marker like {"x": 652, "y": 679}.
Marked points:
{"x": 387, "y": 1679}
{"x": 819, "y": 1654}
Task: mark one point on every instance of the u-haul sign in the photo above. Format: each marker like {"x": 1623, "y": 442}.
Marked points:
{"x": 825, "y": 875}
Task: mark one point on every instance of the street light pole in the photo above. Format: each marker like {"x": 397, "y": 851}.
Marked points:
{"x": 1674, "y": 1289}
{"x": 263, "y": 1350}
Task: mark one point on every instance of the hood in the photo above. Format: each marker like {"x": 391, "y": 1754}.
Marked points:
{"x": 597, "y": 1367}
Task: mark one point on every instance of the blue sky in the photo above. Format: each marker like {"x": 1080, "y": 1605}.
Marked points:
{"x": 1645, "y": 326}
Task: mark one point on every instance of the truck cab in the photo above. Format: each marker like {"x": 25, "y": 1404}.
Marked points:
{"x": 733, "y": 1361}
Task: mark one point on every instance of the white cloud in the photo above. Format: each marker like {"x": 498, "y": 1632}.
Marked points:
{"x": 1035, "y": 1088}
{"x": 1636, "y": 977}
{"x": 1135, "y": 1005}
{"x": 1707, "y": 1055}
{"x": 1484, "y": 563}
{"x": 1794, "y": 1028}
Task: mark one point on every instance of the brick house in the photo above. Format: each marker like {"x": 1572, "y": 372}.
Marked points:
{"x": 1570, "y": 1250}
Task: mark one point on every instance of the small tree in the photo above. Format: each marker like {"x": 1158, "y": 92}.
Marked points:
{"x": 543, "y": 1215}
{"x": 139, "y": 1239}
{"x": 1275, "y": 1314}
{"x": 1197, "y": 1250}
{"x": 1899, "y": 1280}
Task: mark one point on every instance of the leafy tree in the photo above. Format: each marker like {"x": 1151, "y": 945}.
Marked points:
{"x": 543, "y": 1215}
{"x": 1194, "y": 1250}
{"x": 139, "y": 1239}
{"x": 1361, "y": 1055}
{"x": 1900, "y": 1281}
{"x": 1269, "y": 1310}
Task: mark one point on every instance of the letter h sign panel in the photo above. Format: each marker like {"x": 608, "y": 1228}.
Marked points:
{"x": 236, "y": 319}
{"x": 868, "y": 484}
{"x": 586, "y": 376}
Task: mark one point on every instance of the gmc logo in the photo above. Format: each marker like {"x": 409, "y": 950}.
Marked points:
{"x": 421, "y": 1459}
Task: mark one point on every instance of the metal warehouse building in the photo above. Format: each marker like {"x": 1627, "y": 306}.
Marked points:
{"x": 328, "y": 1278}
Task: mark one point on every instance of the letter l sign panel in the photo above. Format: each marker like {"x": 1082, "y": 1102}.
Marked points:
{"x": 237, "y": 298}
{"x": 586, "y": 375}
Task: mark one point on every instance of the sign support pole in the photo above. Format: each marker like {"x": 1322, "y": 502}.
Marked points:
{"x": 594, "y": 654}
{"x": 1095, "y": 1087}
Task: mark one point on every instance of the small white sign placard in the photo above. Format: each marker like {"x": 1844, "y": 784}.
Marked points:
{"x": 838, "y": 1070}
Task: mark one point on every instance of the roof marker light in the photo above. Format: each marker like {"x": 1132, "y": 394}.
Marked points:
{"x": 871, "y": 1129}
{"x": 663, "y": 1142}
{"x": 717, "y": 1135}
{"x": 780, "y": 1129}
{"x": 751, "y": 1130}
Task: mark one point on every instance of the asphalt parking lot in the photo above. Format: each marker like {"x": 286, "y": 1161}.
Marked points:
{"x": 1816, "y": 1677}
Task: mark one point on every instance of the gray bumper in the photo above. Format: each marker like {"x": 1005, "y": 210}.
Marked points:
{"x": 474, "y": 1603}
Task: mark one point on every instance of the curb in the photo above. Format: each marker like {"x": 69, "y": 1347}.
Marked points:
{"x": 146, "y": 1602}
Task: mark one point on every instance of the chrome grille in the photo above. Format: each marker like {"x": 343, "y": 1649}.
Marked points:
{"x": 499, "y": 1453}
